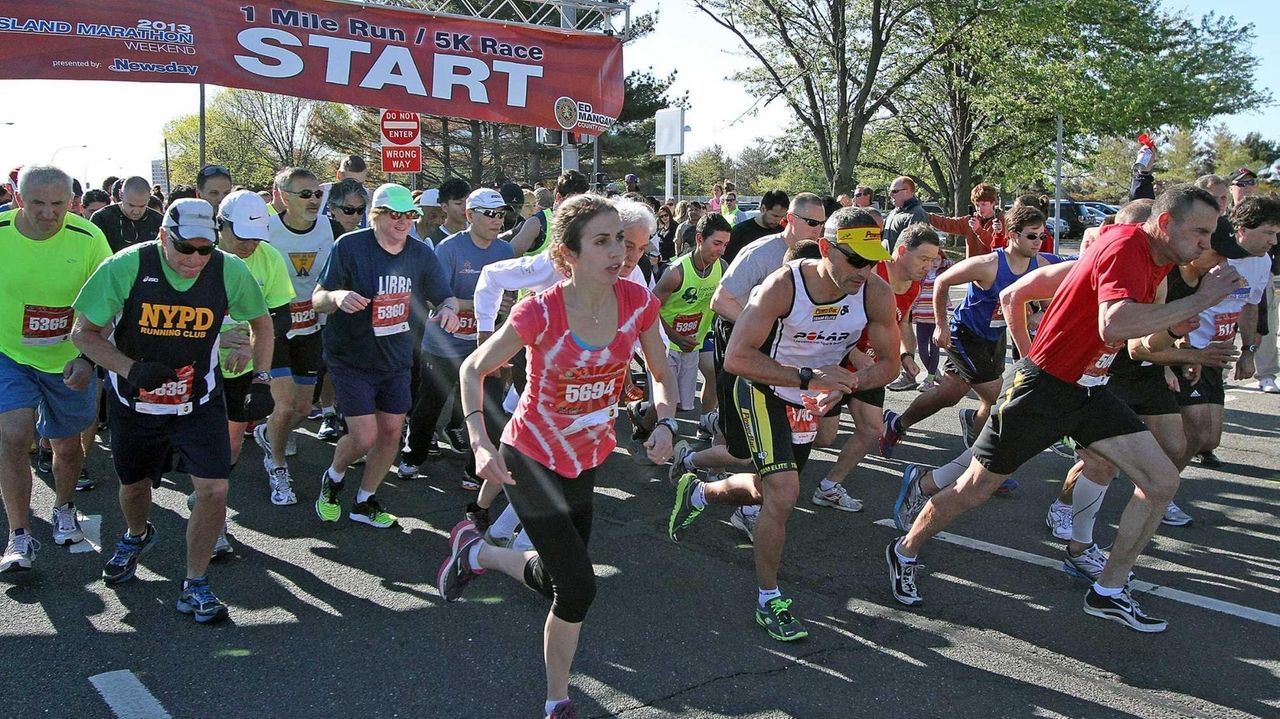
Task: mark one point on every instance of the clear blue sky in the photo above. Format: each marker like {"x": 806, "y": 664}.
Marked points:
{"x": 121, "y": 122}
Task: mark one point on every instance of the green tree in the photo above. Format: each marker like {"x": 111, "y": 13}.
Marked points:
{"x": 704, "y": 169}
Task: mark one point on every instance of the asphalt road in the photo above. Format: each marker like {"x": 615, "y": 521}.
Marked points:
{"x": 343, "y": 620}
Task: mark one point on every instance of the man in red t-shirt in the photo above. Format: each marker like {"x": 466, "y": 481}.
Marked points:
{"x": 917, "y": 248}
{"x": 1059, "y": 388}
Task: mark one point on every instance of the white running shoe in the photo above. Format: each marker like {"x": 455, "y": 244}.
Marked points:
{"x": 20, "y": 554}
{"x": 745, "y": 522}
{"x": 291, "y": 446}
{"x": 281, "y": 487}
{"x": 1088, "y": 565}
{"x": 66, "y": 525}
{"x": 836, "y": 497}
{"x": 1268, "y": 385}
{"x": 222, "y": 546}
{"x": 679, "y": 462}
{"x": 1060, "y": 519}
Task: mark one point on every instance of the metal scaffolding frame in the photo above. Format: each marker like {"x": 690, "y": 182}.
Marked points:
{"x": 606, "y": 17}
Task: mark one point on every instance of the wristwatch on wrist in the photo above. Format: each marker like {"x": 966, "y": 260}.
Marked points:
{"x": 262, "y": 376}
{"x": 669, "y": 424}
{"x": 1251, "y": 348}
{"x": 806, "y": 375}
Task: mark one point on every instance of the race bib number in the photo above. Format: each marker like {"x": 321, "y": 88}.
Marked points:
{"x": 587, "y": 389}
{"x": 804, "y": 426}
{"x": 687, "y": 325}
{"x": 45, "y": 325}
{"x": 1096, "y": 374}
{"x": 390, "y": 314}
{"x": 997, "y": 316}
{"x": 466, "y": 325}
{"x": 1224, "y": 325}
{"x": 177, "y": 392}
{"x": 303, "y": 318}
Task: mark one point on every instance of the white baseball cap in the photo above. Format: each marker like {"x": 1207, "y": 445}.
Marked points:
{"x": 247, "y": 213}
{"x": 191, "y": 218}
{"x": 429, "y": 198}
{"x": 485, "y": 199}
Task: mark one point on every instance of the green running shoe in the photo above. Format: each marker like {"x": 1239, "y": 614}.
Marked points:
{"x": 327, "y": 507}
{"x": 777, "y": 619}
{"x": 370, "y": 512}
{"x": 683, "y": 513}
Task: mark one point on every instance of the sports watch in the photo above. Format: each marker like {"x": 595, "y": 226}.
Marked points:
{"x": 1251, "y": 348}
{"x": 262, "y": 376}
{"x": 669, "y": 424}
{"x": 806, "y": 375}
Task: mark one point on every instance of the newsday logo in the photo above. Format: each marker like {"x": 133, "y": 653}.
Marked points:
{"x": 170, "y": 68}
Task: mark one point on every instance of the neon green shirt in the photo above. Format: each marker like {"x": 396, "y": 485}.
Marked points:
{"x": 688, "y": 309}
{"x": 271, "y": 270}
{"x": 104, "y": 294}
{"x": 39, "y": 281}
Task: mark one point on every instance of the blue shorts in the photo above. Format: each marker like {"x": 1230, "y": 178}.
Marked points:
{"x": 709, "y": 344}
{"x": 365, "y": 391}
{"x": 60, "y": 412}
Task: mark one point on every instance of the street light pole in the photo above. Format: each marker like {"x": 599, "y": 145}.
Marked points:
{"x": 54, "y": 159}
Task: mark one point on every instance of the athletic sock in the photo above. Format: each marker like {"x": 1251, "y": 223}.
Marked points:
{"x": 504, "y": 526}
{"x": 1107, "y": 591}
{"x": 827, "y": 485}
{"x": 1086, "y": 500}
{"x": 895, "y": 424}
{"x": 473, "y": 555}
{"x": 335, "y": 476}
{"x": 767, "y": 594}
{"x": 699, "y": 498}
{"x": 904, "y": 560}
{"x": 363, "y": 495}
{"x": 947, "y": 474}
{"x": 550, "y": 705}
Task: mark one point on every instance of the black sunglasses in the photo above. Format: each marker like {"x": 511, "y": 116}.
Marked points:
{"x": 411, "y": 214}
{"x": 306, "y": 194}
{"x": 858, "y": 261}
{"x": 349, "y": 210}
{"x": 808, "y": 220}
{"x": 496, "y": 214}
{"x": 186, "y": 248}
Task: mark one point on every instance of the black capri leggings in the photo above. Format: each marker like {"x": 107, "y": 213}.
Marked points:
{"x": 556, "y": 512}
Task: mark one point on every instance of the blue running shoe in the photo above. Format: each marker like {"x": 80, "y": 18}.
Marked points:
{"x": 123, "y": 565}
{"x": 892, "y": 433}
{"x": 910, "y": 499}
{"x": 198, "y": 600}
{"x": 1007, "y": 486}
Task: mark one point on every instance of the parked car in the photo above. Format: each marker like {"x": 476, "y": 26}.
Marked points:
{"x": 1103, "y": 207}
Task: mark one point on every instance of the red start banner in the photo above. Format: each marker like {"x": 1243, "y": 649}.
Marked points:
{"x": 336, "y": 51}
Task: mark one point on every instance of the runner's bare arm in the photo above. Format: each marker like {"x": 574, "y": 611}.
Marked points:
{"x": 488, "y": 358}
{"x": 92, "y": 340}
{"x": 327, "y": 301}
{"x": 884, "y": 335}
{"x": 262, "y": 337}
{"x": 981, "y": 269}
{"x": 1248, "y": 330}
{"x": 1039, "y": 284}
{"x": 1120, "y": 320}
{"x": 659, "y": 444}
{"x": 743, "y": 356}
{"x": 523, "y": 240}
{"x": 726, "y": 305}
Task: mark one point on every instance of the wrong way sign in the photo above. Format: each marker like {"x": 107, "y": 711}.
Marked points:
{"x": 401, "y": 141}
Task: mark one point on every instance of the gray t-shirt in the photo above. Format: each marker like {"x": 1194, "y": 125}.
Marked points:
{"x": 753, "y": 264}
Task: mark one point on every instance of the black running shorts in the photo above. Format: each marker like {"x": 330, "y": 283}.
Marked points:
{"x": 1147, "y": 397}
{"x": 973, "y": 358}
{"x": 1208, "y": 389}
{"x": 298, "y": 357}
{"x": 145, "y": 446}
{"x": 763, "y": 432}
{"x": 1036, "y": 409}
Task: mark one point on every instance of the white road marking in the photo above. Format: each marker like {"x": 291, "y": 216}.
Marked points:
{"x": 127, "y": 697}
{"x": 1156, "y": 590}
{"x": 91, "y": 525}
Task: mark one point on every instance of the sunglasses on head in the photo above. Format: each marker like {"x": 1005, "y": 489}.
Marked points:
{"x": 349, "y": 210}
{"x": 1245, "y": 183}
{"x": 411, "y": 214}
{"x": 858, "y": 261}
{"x": 211, "y": 170}
{"x": 306, "y": 194}
{"x": 495, "y": 214}
{"x": 186, "y": 248}
{"x": 808, "y": 220}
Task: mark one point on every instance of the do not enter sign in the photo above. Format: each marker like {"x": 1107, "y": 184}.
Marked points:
{"x": 401, "y": 141}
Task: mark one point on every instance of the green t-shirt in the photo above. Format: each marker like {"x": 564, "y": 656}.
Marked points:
{"x": 39, "y": 280}
{"x": 271, "y": 271}
{"x": 104, "y": 295}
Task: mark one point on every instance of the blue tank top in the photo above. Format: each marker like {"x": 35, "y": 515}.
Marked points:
{"x": 979, "y": 312}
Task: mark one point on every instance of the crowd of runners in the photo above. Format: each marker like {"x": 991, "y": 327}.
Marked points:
{"x": 514, "y": 324}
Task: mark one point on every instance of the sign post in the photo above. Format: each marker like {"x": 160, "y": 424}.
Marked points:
{"x": 401, "y": 141}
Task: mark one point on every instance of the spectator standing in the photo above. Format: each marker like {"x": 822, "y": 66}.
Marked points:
{"x": 907, "y": 210}
{"x": 130, "y": 221}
